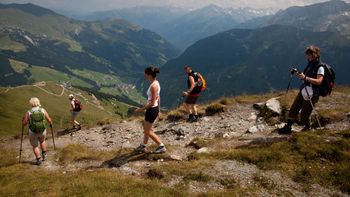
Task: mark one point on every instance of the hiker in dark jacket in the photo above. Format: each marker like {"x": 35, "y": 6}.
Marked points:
{"x": 36, "y": 117}
{"x": 191, "y": 94}
{"x": 312, "y": 78}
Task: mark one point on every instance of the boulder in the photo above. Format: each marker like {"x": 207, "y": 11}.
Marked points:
{"x": 203, "y": 150}
{"x": 175, "y": 157}
{"x": 274, "y": 106}
{"x": 255, "y": 129}
{"x": 259, "y": 106}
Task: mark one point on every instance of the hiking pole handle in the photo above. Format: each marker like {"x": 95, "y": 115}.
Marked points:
{"x": 53, "y": 137}
{"x": 20, "y": 148}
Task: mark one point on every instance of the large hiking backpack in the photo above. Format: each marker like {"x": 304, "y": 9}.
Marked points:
{"x": 328, "y": 81}
{"x": 201, "y": 82}
{"x": 77, "y": 105}
{"x": 37, "y": 121}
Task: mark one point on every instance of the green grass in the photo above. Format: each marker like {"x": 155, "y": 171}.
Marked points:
{"x": 8, "y": 44}
{"x": 26, "y": 180}
{"x": 78, "y": 152}
{"x": 321, "y": 157}
{"x": 14, "y": 104}
{"x": 47, "y": 74}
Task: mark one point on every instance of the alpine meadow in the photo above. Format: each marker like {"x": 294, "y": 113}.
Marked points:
{"x": 175, "y": 98}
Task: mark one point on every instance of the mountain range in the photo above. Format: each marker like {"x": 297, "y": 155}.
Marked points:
{"x": 183, "y": 27}
{"x": 331, "y": 16}
{"x": 105, "y": 56}
{"x": 252, "y": 61}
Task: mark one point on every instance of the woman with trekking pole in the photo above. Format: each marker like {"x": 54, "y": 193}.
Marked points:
{"x": 36, "y": 117}
{"x": 152, "y": 111}
{"x": 309, "y": 92}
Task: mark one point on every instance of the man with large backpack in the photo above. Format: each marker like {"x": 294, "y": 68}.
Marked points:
{"x": 36, "y": 117}
{"x": 318, "y": 80}
{"x": 76, "y": 107}
{"x": 196, "y": 84}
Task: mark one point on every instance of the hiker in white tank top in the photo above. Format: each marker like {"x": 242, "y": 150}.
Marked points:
{"x": 149, "y": 94}
{"x": 152, "y": 111}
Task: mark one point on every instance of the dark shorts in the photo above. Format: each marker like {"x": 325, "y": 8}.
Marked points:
{"x": 151, "y": 114}
{"x": 191, "y": 99}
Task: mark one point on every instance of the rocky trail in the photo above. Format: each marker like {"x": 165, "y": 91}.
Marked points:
{"x": 239, "y": 125}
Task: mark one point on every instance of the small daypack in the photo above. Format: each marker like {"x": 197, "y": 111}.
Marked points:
{"x": 77, "y": 105}
{"x": 201, "y": 82}
{"x": 328, "y": 81}
{"x": 37, "y": 120}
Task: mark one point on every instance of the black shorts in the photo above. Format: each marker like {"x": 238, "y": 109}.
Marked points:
{"x": 151, "y": 114}
{"x": 191, "y": 99}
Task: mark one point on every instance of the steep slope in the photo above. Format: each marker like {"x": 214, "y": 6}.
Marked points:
{"x": 250, "y": 61}
{"x": 83, "y": 50}
{"x": 53, "y": 98}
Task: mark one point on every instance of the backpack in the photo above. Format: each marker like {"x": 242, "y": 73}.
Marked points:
{"x": 37, "y": 121}
{"x": 328, "y": 81}
{"x": 201, "y": 82}
{"x": 77, "y": 105}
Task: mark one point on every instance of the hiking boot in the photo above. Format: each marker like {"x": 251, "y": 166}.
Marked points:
{"x": 160, "y": 149}
{"x": 285, "y": 130}
{"x": 191, "y": 117}
{"x": 43, "y": 155}
{"x": 140, "y": 149}
{"x": 38, "y": 162}
{"x": 306, "y": 128}
{"x": 195, "y": 119}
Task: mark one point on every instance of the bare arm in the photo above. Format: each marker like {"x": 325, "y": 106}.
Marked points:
{"x": 313, "y": 81}
{"x": 48, "y": 118}
{"x": 192, "y": 84}
{"x": 25, "y": 119}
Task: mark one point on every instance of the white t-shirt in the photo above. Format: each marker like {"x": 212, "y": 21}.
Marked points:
{"x": 320, "y": 71}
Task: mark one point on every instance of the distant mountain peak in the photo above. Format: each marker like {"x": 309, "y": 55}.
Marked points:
{"x": 29, "y": 8}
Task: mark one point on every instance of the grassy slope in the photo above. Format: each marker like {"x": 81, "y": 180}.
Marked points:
{"x": 14, "y": 104}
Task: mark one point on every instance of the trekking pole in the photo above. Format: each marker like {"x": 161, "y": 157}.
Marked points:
{"x": 20, "y": 148}
{"x": 53, "y": 138}
{"x": 290, "y": 80}
{"x": 313, "y": 108}
{"x": 180, "y": 101}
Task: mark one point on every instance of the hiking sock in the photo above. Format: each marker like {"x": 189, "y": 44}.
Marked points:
{"x": 43, "y": 155}
{"x": 290, "y": 122}
{"x": 38, "y": 162}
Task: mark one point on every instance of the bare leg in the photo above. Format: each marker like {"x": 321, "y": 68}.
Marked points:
{"x": 36, "y": 151}
{"x": 188, "y": 108}
{"x": 148, "y": 132}
{"x": 42, "y": 144}
{"x": 194, "y": 109}
{"x": 145, "y": 136}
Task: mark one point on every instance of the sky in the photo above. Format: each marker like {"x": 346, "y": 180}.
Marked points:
{"x": 84, "y": 6}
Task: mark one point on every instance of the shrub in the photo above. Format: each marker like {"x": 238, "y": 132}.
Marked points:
{"x": 214, "y": 109}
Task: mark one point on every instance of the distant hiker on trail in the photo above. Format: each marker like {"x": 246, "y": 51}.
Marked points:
{"x": 152, "y": 110}
{"x": 75, "y": 109}
{"x": 312, "y": 78}
{"x": 196, "y": 84}
{"x": 36, "y": 117}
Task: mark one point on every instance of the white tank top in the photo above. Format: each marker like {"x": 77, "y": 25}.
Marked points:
{"x": 149, "y": 94}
